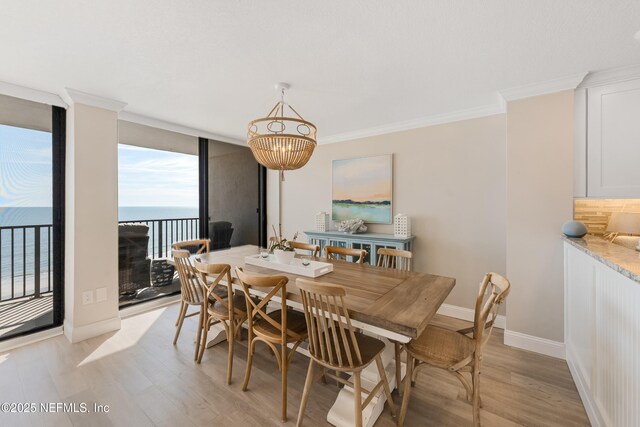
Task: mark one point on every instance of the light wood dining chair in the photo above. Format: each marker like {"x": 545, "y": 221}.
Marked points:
{"x": 277, "y": 328}
{"x": 458, "y": 351}
{"x": 336, "y": 252}
{"x": 395, "y": 258}
{"x": 313, "y": 249}
{"x": 399, "y": 260}
{"x": 222, "y": 306}
{"x": 335, "y": 345}
{"x": 198, "y": 246}
{"x": 192, "y": 291}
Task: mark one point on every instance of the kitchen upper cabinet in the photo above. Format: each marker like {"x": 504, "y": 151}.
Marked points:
{"x": 612, "y": 141}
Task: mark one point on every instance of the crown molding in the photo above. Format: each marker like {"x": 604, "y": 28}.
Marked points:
{"x": 175, "y": 127}
{"x": 72, "y": 96}
{"x": 29, "y": 94}
{"x": 612, "y": 75}
{"x": 437, "y": 119}
{"x": 542, "y": 88}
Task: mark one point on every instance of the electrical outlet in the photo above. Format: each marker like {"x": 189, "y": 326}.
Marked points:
{"x": 101, "y": 294}
{"x": 87, "y": 297}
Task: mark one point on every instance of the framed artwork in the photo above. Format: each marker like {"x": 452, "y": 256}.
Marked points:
{"x": 362, "y": 188}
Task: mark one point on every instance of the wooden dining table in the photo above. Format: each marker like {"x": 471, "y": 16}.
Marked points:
{"x": 387, "y": 303}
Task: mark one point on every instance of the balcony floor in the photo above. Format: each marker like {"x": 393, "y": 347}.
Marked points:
{"x": 23, "y": 314}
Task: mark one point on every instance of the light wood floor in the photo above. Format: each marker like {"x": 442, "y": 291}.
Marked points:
{"x": 147, "y": 381}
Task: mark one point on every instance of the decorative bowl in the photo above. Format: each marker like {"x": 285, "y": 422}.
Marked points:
{"x": 574, "y": 229}
{"x": 284, "y": 257}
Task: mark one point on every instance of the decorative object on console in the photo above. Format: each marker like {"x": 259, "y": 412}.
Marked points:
{"x": 352, "y": 226}
{"x": 574, "y": 229}
{"x": 322, "y": 221}
{"x": 401, "y": 225}
{"x": 626, "y": 223}
{"x": 362, "y": 188}
{"x": 282, "y": 141}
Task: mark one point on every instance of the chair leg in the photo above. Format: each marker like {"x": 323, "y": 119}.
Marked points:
{"x": 385, "y": 385}
{"x": 305, "y": 393}
{"x": 199, "y": 334}
{"x": 183, "y": 312}
{"x": 247, "y": 372}
{"x": 398, "y": 347}
{"x": 407, "y": 390}
{"x": 357, "y": 399}
{"x": 231, "y": 340}
{"x": 203, "y": 340}
{"x": 181, "y": 307}
{"x": 476, "y": 394}
{"x": 283, "y": 372}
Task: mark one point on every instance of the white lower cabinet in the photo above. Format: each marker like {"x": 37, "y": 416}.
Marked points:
{"x": 602, "y": 337}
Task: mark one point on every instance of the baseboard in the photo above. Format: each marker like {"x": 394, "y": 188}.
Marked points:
{"x": 12, "y": 343}
{"x": 468, "y": 314}
{"x": 587, "y": 400}
{"x": 80, "y": 333}
{"x": 535, "y": 344}
{"x": 149, "y": 305}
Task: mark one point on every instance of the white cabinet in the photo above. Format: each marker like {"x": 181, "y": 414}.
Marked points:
{"x": 602, "y": 338}
{"x": 612, "y": 141}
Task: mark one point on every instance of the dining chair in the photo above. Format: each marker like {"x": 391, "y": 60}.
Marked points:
{"x": 222, "y": 306}
{"x": 395, "y": 258}
{"x": 198, "y": 246}
{"x": 192, "y": 291}
{"x": 313, "y": 249}
{"x": 399, "y": 260}
{"x": 335, "y": 345}
{"x": 336, "y": 252}
{"x": 458, "y": 351}
{"x": 277, "y": 328}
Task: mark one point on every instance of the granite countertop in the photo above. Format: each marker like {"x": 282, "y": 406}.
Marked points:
{"x": 623, "y": 260}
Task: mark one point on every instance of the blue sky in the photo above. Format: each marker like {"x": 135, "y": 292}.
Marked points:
{"x": 149, "y": 177}
{"x": 146, "y": 177}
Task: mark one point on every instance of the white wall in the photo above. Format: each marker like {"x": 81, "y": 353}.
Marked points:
{"x": 539, "y": 201}
{"x": 91, "y": 222}
{"x": 450, "y": 179}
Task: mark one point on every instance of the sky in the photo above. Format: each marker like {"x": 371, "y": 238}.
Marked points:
{"x": 146, "y": 177}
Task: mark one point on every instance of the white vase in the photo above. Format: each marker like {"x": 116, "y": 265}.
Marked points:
{"x": 284, "y": 257}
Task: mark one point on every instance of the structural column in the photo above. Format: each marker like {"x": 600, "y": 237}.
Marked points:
{"x": 91, "y": 223}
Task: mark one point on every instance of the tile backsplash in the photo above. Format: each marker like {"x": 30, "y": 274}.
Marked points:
{"x": 595, "y": 213}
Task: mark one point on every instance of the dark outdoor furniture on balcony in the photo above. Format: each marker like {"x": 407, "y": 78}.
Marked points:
{"x": 220, "y": 233}
{"x": 133, "y": 260}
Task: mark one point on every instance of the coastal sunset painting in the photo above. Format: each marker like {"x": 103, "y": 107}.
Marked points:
{"x": 362, "y": 189}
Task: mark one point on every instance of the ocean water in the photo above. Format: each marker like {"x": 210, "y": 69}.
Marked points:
{"x": 18, "y": 244}
{"x": 367, "y": 212}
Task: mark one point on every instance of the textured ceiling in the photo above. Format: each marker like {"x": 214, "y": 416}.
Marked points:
{"x": 352, "y": 65}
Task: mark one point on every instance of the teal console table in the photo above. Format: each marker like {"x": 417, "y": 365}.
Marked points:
{"x": 370, "y": 242}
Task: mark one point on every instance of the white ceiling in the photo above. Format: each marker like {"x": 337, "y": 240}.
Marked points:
{"x": 353, "y": 65}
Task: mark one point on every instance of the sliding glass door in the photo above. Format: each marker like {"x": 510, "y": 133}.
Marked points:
{"x": 31, "y": 216}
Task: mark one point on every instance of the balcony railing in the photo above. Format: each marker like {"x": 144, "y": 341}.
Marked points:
{"x": 25, "y": 261}
{"x": 164, "y": 232}
{"x": 25, "y": 253}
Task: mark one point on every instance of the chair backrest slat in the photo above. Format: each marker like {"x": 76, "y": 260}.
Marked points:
{"x": 197, "y": 246}
{"x": 191, "y": 284}
{"x": 314, "y": 249}
{"x": 493, "y": 291}
{"x": 332, "y": 334}
{"x": 218, "y": 272}
{"x": 395, "y": 258}
{"x": 336, "y": 252}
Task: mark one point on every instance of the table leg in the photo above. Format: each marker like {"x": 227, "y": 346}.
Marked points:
{"x": 218, "y": 335}
{"x": 341, "y": 413}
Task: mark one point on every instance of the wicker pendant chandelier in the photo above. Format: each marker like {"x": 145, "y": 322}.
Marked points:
{"x": 282, "y": 141}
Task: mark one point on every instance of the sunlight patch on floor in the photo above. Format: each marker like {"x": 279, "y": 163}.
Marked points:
{"x": 131, "y": 331}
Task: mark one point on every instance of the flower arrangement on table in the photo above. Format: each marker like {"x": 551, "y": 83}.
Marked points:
{"x": 282, "y": 248}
